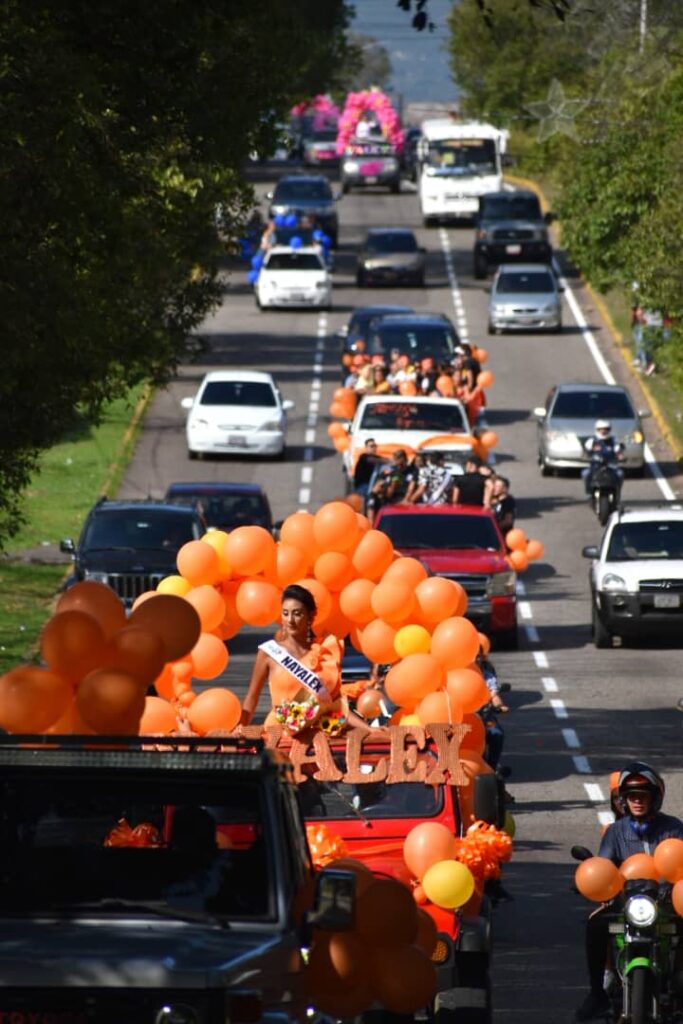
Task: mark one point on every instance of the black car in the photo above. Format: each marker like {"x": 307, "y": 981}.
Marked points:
{"x": 132, "y": 545}
{"x": 225, "y": 506}
{"x": 390, "y": 256}
{"x": 510, "y": 226}
{"x": 307, "y": 195}
{"x": 356, "y": 333}
{"x": 418, "y": 336}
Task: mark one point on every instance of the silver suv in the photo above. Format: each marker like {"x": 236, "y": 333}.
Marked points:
{"x": 636, "y": 574}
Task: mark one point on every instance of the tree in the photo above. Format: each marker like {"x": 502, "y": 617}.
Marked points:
{"x": 369, "y": 63}
{"x": 124, "y": 125}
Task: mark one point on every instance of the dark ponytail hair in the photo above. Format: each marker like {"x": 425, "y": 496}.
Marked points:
{"x": 296, "y": 593}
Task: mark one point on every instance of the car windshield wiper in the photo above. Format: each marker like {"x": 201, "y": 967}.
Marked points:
{"x": 349, "y": 803}
{"x": 150, "y": 907}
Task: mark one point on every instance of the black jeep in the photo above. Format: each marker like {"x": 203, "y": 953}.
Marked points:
{"x": 510, "y": 226}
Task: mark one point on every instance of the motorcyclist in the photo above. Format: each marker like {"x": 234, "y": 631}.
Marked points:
{"x": 642, "y": 827}
{"x": 604, "y": 450}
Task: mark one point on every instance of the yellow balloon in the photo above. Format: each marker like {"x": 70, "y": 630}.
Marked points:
{"x": 176, "y": 585}
{"x": 410, "y": 720}
{"x": 217, "y": 539}
{"x": 448, "y": 883}
{"x": 509, "y": 825}
{"x": 412, "y": 640}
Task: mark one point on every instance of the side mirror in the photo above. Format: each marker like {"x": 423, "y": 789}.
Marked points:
{"x": 580, "y": 853}
{"x": 67, "y": 546}
{"x": 561, "y": 288}
{"x": 422, "y": 249}
{"x": 590, "y": 551}
{"x": 539, "y": 412}
{"x": 343, "y": 331}
{"x": 338, "y": 196}
{"x": 187, "y": 403}
{"x": 488, "y": 805}
{"x": 549, "y": 217}
{"x": 335, "y": 901}
{"x": 287, "y": 404}
{"x": 269, "y": 195}
{"x": 644, "y": 413}
{"x": 505, "y": 687}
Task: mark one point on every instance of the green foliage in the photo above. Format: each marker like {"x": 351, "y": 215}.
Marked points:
{"x": 125, "y": 125}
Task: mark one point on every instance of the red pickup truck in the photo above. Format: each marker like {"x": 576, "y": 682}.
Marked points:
{"x": 463, "y": 543}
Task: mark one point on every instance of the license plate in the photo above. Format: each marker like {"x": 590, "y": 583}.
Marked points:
{"x": 526, "y": 320}
{"x": 371, "y": 179}
{"x": 513, "y": 250}
{"x": 667, "y": 600}
{"x": 237, "y": 440}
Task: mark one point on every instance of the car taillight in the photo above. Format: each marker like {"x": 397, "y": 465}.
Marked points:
{"x": 441, "y": 952}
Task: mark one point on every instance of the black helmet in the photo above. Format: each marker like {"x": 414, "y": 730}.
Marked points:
{"x": 638, "y": 776}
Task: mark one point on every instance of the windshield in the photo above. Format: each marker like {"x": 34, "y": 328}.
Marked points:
{"x": 440, "y": 532}
{"x": 294, "y": 261}
{"x": 238, "y": 392}
{"x": 361, "y": 322}
{"x": 54, "y": 852}
{"x": 520, "y": 283}
{"x": 463, "y": 156}
{"x": 660, "y": 539}
{"x": 435, "y": 340}
{"x": 393, "y": 241}
{"x": 290, "y": 191}
{"x": 225, "y": 511}
{"x": 325, "y": 135}
{"x": 592, "y": 405}
{"x": 144, "y": 530}
{"x": 510, "y": 208}
{"x": 436, "y": 418}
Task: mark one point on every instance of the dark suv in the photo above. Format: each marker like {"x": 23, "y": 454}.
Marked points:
{"x": 132, "y": 545}
{"x": 510, "y": 227}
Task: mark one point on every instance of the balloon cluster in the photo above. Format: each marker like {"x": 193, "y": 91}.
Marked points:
{"x": 374, "y": 100}
{"x": 325, "y": 111}
{"x": 291, "y": 221}
{"x": 385, "y": 958}
{"x": 522, "y": 550}
{"x": 99, "y": 664}
{"x": 599, "y": 879}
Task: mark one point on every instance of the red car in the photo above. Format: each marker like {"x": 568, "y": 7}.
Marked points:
{"x": 462, "y": 543}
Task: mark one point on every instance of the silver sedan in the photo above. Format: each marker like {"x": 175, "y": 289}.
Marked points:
{"x": 525, "y": 296}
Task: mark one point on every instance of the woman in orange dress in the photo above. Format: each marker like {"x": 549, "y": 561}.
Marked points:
{"x": 296, "y": 637}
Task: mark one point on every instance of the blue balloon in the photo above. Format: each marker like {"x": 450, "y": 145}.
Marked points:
{"x": 257, "y": 259}
{"x": 291, "y": 220}
{"x": 280, "y": 220}
{"x": 296, "y": 242}
{"x": 252, "y": 276}
{"x": 326, "y": 241}
{"x": 319, "y": 235}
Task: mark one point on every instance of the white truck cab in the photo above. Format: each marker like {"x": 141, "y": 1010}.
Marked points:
{"x": 458, "y": 161}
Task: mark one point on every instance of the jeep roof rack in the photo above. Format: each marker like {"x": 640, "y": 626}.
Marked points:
{"x": 640, "y": 505}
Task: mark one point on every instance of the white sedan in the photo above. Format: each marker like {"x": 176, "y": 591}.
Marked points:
{"x": 236, "y": 412}
{"x": 294, "y": 277}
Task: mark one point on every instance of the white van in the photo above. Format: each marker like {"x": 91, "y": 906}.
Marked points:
{"x": 458, "y": 161}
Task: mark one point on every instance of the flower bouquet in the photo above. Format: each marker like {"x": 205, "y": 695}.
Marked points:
{"x": 298, "y": 714}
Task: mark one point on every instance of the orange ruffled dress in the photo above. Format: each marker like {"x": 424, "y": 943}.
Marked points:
{"x": 324, "y": 659}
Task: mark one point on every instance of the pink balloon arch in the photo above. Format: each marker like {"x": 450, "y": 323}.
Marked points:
{"x": 325, "y": 112}
{"x": 376, "y": 102}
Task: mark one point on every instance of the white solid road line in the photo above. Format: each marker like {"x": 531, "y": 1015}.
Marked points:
{"x": 549, "y": 684}
{"x": 571, "y": 738}
{"x": 595, "y": 794}
{"x": 312, "y": 414}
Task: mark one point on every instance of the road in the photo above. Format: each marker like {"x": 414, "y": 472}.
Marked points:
{"x": 577, "y": 713}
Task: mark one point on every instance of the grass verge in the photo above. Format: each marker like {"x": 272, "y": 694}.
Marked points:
{"x": 90, "y": 461}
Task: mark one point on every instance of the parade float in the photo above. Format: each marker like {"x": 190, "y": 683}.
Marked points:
{"x": 370, "y": 141}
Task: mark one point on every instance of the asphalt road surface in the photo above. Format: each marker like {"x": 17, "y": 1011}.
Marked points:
{"x": 577, "y": 713}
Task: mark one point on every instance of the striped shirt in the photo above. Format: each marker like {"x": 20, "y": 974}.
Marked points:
{"x": 621, "y": 841}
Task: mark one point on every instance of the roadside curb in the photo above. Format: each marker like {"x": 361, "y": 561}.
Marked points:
{"x": 617, "y": 336}
{"x": 138, "y": 412}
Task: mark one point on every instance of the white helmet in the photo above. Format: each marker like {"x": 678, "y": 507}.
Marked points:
{"x": 603, "y": 427}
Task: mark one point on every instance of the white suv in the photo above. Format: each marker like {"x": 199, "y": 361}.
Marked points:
{"x": 636, "y": 575}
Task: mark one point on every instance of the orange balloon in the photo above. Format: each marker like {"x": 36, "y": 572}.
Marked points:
{"x": 158, "y": 717}
{"x": 475, "y": 739}
{"x": 427, "y": 844}
{"x": 489, "y": 439}
{"x": 668, "y": 858}
{"x": 322, "y": 598}
{"x": 427, "y": 932}
{"x": 640, "y": 865}
{"x": 386, "y": 914}
{"x": 407, "y": 387}
{"x": 534, "y": 550}
{"x": 474, "y": 764}
{"x": 336, "y": 430}
{"x": 393, "y": 600}
{"x": 209, "y": 657}
{"x": 518, "y": 560}
{"x": 249, "y": 549}
{"x": 342, "y": 443}
{"x": 258, "y": 602}
{"x": 404, "y": 978}
{"x": 485, "y": 643}
{"x": 677, "y": 897}
{"x": 516, "y": 539}
{"x": 355, "y": 601}
{"x": 70, "y": 723}
{"x": 455, "y": 642}
{"x": 598, "y": 879}
{"x": 344, "y": 395}
{"x": 337, "y": 961}
{"x": 163, "y": 683}
{"x": 199, "y": 563}
{"x": 32, "y": 699}
{"x": 96, "y": 599}
{"x": 297, "y": 530}
{"x": 377, "y": 642}
{"x": 373, "y": 555}
{"x": 438, "y": 707}
{"x": 291, "y": 564}
{"x": 413, "y": 678}
{"x": 438, "y": 598}
{"x": 138, "y": 651}
{"x": 73, "y": 644}
{"x": 173, "y": 619}
{"x": 485, "y": 379}
{"x": 214, "y": 709}
{"x": 481, "y": 355}
{"x": 468, "y": 688}
{"x": 111, "y": 702}
{"x": 209, "y": 605}
{"x": 369, "y": 704}
{"x": 356, "y": 503}
{"x": 341, "y": 410}
{"x": 444, "y": 385}
{"x": 408, "y": 570}
{"x": 336, "y": 622}
{"x": 335, "y": 527}
{"x": 334, "y": 569}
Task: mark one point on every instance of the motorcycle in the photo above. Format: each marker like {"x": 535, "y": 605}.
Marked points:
{"x": 604, "y": 489}
{"x": 644, "y": 934}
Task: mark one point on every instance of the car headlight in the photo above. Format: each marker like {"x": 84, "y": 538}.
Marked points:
{"x": 501, "y": 584}
{"x": 351, "y": 166}
{"x": 612, "y": 582}
{"x": 321, "y": 284}
{"x": 549, "y": 309}
{"x": 499, "y": 310}
{"x": 482, "y": 234}
{"x": 278, "y": 209}
{"x": 96, "y": 577}
{"x": 390, "y": 165}
{"x": 271, "y": 425}
{"x": 640, "y": 911}
{"x": 635, "y": 438}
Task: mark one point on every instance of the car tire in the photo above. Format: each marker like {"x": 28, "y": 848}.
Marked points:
{"x": 494, "y": 330}
{"x": 345, "y": 187}
{"x": 546, "y": 470}
{"x": 638, "y": 472}
{"x": 601, "y": 635}
{"x": 361, "y": 279}
{"x": 507, "y": 639}
{"x": 558, "y": 329}
{"x": 420, "y": 281}
{"x": 334, "y": 239}
{"x": 480, "y": 269}
{"x": 395, "y": 188}
{"x": 429, "y": 222}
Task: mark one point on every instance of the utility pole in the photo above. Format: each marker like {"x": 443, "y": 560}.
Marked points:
{"x": 643, "y": 24}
